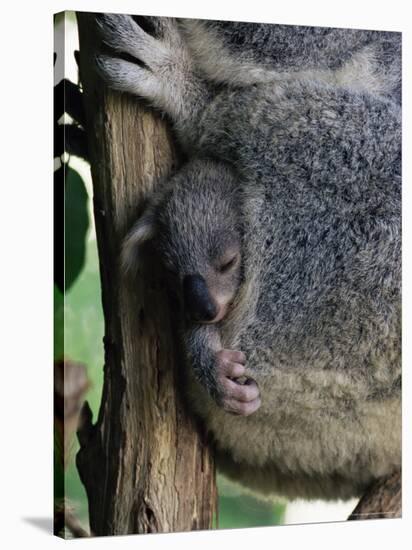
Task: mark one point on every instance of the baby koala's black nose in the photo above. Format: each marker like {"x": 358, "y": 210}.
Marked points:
{"x": 198, "y": 302}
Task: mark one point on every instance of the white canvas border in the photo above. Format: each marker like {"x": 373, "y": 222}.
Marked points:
{"x": 26, "y": 244}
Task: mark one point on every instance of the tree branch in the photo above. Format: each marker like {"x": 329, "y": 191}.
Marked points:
{"x": 145, "y": 464}
{"x": 382, "y": 500}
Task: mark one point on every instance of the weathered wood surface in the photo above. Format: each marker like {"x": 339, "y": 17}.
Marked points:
{"x": 382, "y": 500}
{"x": 145, "y": 464}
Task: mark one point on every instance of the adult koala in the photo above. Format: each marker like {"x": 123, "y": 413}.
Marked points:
{"x": 282, "y": 236}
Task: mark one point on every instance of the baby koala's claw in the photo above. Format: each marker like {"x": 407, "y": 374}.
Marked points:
{"x": 238, "y": 394}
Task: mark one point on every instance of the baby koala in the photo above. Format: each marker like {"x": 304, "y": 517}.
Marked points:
{"x": 194, "y": 225}
{"x": 281, "y": 235}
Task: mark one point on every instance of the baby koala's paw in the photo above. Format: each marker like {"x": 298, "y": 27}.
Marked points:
{"x": 237, "y": 394}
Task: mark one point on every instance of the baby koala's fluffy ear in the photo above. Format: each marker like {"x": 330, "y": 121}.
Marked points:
{"x": 141, "y": 232}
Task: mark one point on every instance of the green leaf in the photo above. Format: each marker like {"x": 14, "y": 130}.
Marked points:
{"x": 76, "y": 225}
{"x": 58, "y": 324}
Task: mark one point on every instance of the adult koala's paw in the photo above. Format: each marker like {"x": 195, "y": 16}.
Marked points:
{"x": 236, "y": 393}
{"x": 145, "y": 56}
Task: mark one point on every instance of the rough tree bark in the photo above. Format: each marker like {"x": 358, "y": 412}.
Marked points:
{"x": 145, "y": 464}
{"x": 382, "y": 500}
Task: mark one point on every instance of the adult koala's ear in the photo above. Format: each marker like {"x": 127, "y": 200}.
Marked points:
{"x": 143, "y": 231}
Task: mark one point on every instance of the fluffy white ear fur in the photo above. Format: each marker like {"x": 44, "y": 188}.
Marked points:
{"x": 142, "y": 231}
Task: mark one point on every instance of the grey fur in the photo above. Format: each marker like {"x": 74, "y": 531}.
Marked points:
{"x": 299, "y": 156}
{"x": 240, "y": 53}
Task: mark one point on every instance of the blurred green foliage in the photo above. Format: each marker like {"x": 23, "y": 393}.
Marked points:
{"x": 81, "y": 340}
{"x": 240, "y": 509}
{"x": 247, "y": 511}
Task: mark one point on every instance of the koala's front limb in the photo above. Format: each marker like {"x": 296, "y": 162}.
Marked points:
{"x": 154, "y": 64}
{"x": 149, "y": 57}
{"x": 221, "y": 372}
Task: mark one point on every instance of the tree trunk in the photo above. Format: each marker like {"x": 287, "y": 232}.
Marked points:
{"x": 145, "y": 464}
{"x": 382, "y": 500}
